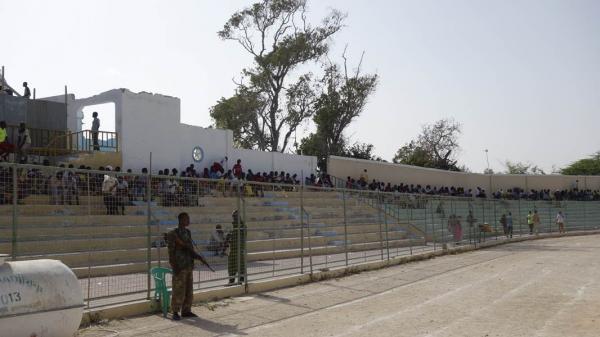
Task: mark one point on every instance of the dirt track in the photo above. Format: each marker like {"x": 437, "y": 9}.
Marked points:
{"x": 535, "y": 288}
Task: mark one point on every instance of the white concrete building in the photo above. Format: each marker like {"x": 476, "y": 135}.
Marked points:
{"x": 150, "y": 123}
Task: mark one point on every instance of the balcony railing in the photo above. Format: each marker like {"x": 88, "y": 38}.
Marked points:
{"x": 46, "y": 142}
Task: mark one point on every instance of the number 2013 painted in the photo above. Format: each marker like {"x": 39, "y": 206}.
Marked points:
{"x": 10, "y": 298}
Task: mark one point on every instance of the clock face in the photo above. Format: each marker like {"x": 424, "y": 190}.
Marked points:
{"x": 197, "y": 154}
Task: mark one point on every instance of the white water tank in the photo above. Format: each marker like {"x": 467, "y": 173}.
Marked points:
{"x": 39, "y": 298}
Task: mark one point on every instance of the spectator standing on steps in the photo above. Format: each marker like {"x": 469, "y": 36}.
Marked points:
{"x": 5, "y": 146}
{"x": 95, "y": 129}
{"x": 530, "y": 222}
{"x": 509, "y": 225}
{"x": 109, "y": 191}
{"x": 23, "y": 143}
{"x": 236, "y": 239}
{"x": 503, "y": 223}
{"x": 536, "y": 222}
{"x": 560, "y": 221}
{"x": 471, "y": 221}
{"x": 237, "y": 169}
{"x": 121, "y": 194}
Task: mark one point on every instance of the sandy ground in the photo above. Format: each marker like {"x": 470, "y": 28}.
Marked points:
{"x": 545, "y": 287}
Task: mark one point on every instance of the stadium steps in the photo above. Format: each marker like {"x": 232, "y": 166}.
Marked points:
{"x": 141, "y": 266}
{"x": 85, "y": 245}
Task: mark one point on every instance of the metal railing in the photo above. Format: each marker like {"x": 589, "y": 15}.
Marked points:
{"x": 87, "y": 140}
{"x": 108, "y": 226}
{"x": 40, "y": 138}
{"x": 45, "y": 142}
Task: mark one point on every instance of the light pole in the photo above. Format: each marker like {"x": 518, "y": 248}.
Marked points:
{"x": 487, "y": 159}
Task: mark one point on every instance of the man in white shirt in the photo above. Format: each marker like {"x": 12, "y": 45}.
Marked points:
{"x": 560, "y": 220}
{"x": 109, "y": 186}
{"x": 23, "y": 143}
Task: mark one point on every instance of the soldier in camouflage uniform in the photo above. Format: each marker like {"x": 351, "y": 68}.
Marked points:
{"x": 181, "y": 258}
{"x": 237, "y": 243}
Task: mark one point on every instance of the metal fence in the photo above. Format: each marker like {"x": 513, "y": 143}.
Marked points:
{"x": 108, "y": 227}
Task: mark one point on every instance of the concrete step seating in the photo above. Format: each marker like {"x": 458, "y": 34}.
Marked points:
{"x": 112, "y": 245}
{"x": 57, "y": 245}
{"x": 130, "y": 266}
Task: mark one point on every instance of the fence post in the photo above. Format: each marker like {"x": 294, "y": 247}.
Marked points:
{"x": 495, "y": 219}
{"x": 14, "y": 212}
{"x": 239, "y": 237}
{"x": 379, "y": 221}
{"x": 477, "y": 230}
{"x": 520, "y": 220}
{"x": 149, "y": 231}
{"x": 245, "y": 236}
{"x": 550, "y": 216}
{"x": 89, "y": 203}
{"x": 433, "y": 234}
{"x": 310, "y": 261}
{"x": 584, "y": 217}
{"x": 345, "y": 227}
{"x": 302, "y": 222}
{"x": 387, "y": 232}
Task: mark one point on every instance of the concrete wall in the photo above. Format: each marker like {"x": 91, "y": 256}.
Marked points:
{"x": 396, "y": 173}
{"x": 259, "y": 161}
{"x": 215, "y": 144}
{"x": 147, "y": 122}
{"x": 38, "y": 114}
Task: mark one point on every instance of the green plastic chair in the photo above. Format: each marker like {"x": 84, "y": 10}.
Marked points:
{"x": 162, "y": 294}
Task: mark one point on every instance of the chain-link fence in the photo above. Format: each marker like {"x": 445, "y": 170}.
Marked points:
{"x": 108, "y": 226}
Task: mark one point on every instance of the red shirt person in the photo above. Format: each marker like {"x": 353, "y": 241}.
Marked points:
{"x": 237, "y": 169}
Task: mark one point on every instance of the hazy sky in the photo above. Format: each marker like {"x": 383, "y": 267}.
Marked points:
{"x": 523, "y": 77}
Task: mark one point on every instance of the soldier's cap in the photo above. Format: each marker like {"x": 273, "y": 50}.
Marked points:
{"x": 235, "y": 212}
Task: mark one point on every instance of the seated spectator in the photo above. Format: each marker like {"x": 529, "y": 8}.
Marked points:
{"x": 26, "y": 91}
{"x": 289, "y": 179}
{"x": 218, "y": 243}
{"x": 215, "y": 173}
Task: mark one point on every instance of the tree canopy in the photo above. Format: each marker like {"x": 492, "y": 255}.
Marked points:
{"x": 278, "y": 36}
{"x": 342, "y": 100}
{"x": 586, "y": 166}
{"x": 435, "y": 147}
{"x": 522, "y": 168}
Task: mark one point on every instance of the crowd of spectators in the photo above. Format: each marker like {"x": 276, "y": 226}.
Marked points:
{"x": 516, "y": 193}
{"x": 65, "y": 185}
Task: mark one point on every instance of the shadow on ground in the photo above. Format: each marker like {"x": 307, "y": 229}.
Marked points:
{"x": 212, "y": 326}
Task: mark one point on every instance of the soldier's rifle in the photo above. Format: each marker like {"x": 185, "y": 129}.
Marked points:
{"x": 191, "y": 250}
